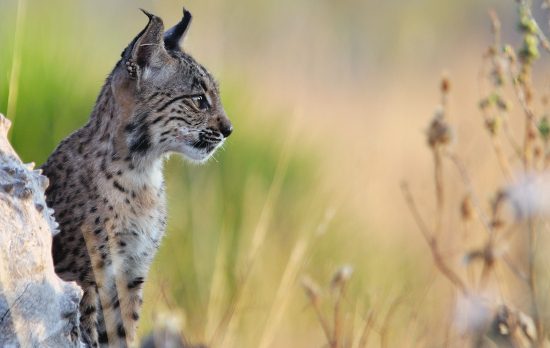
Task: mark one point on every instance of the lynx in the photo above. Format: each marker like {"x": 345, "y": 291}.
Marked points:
{"x": 106, "y": 180}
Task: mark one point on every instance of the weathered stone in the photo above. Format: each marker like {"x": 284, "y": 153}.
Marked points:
{"x": 37, "y": 308}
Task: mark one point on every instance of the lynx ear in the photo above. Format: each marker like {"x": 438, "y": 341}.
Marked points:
{"x": 173, "y": 38}
{"x": 148, "y": 47}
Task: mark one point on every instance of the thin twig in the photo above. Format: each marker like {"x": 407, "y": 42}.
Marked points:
{"x": 498, "y": 76}
{"x": 418, "y": 305}
{"x": 470, "y": 188}
{"x": 314, "y": 294}
{"x": 532, "y": 280}
{"x": 438, "y": 178}
{"x": 432, "y": 243}
{"x": 387, "y": 321}
{"x": 338, "y": 290}
{"x": 513, "y": 267}
{"x": 466, "y": 242}
{"x": 412, "y": 207}
{"x": 371, "y": 317}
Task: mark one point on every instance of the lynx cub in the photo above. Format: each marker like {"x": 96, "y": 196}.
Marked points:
{"x": 106, "y": 178}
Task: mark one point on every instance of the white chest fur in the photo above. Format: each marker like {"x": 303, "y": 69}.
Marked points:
{"x": 137, "y": 216}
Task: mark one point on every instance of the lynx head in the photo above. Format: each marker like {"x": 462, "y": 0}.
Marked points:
{"x": 169, "y": 102}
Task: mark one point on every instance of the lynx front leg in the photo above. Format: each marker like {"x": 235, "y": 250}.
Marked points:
{"x": 131, "y": 308}
{"x": 113, "y": 333}
{"x": 89, "y": 306}
{"x": 108, "y": 310}
{"x": 129, "y": 279}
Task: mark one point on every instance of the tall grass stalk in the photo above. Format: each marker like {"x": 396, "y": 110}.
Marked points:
{"x": 284, "y": 291}
{"x": 219, "y": 285}
{"x": 16, "y": 63}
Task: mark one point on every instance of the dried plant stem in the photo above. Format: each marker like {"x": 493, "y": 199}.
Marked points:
{"x": 497, "y": 145}
{"x": 496, "y": 58}
{"x": 418, "y": 306}
{"x": 524, "y": 93}
{"x": 502, "y": 161}
{"x": 528, "y": 164}
{"x": 449, "y": 323}
{"x": 532, "y": 281}
{"x": 501, "y": 282}
{"x": 484, "y": 277}
{"x": 336, "y": 343}
{"x": 470, "y": 188}
{"x": 432, "y": 243}
{"x": 514, "y": 268}
{"x": 511, "y": 137}
{"x": 220, "y": 336}
{"x": 438, "y": 176}
{"x": 530, "y": 129}
{"x": 371, "y": 317}
{"x": 322, "y": 319}
{"x": 284, "y": 291}
{"x": 522, "y": 98}
{"x": 466, "y": 242}
{"x": 347, "y": 340}
{"x": 387, "y": 321}
{"x": 497, "y": 66}
{"x": 338, "y": 329}
{"x": 219, "y": 285}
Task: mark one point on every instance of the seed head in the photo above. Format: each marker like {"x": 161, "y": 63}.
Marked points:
{"x": 341, "y": 277}
{"x": 440, "y": 132}
{"x": 445, "y": 84}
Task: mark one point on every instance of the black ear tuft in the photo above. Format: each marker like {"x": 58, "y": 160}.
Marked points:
{"x": 147, "y": 14}
{"x": 173, "y": 37}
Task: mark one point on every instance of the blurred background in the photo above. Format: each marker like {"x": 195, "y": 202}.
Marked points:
{"x": 329, "y": 101}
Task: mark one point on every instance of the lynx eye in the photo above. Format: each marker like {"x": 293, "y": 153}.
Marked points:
{"x": 200, "y": 102}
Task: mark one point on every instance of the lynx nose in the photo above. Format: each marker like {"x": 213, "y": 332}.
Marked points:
{"x": 226, "y": 128}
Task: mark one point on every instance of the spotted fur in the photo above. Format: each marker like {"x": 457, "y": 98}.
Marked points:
{"x": 106, "y": 181}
